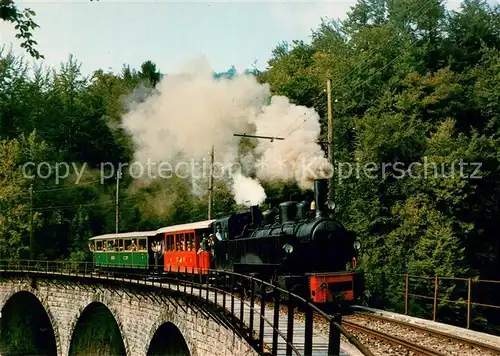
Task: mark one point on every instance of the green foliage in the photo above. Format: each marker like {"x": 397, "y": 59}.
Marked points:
{"x": 25, "y": 327}
{"x": 97, "y": 333}
{"x": 51, "y": 117}
{"x": 149, "y": 74}
{"x": 14, "y": 218}
{"x": 415, "y": 92}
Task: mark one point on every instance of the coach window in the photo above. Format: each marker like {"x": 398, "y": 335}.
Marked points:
{"x": 128, "y": 244}
{"x": 186, "y": 242}
{"x": 98, "y": 245}
{"x": 120, "y": 245}
{"x": 170, "y": 242}
{"x": 190, "y": 241}
{"x": 196, "y": 242}
{"x": 141, "y": 246}
{"x": 183, "y": 242}
{"x": 180, "y": 242}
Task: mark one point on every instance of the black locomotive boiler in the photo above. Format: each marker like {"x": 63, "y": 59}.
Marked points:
{"x": 301, "y": 249}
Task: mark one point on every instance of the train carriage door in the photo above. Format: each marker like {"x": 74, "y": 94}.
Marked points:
{"x": 196, "y": 242}
{"x": 180, "y": 247}
{"x": 169, "y": 249}
{"x": 191, "y": 259}
{"x": 98, "y": 255}
{"x": 142, "y": 255}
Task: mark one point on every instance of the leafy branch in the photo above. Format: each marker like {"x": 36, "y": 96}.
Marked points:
{"x": 24, "y": 25}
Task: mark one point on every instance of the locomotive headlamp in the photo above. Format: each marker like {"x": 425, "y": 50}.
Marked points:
{"x": 356, "y": 245}
{"x": 288, "y": 248}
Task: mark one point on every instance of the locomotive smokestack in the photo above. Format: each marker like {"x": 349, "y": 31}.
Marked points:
{"x": 320, "y": 196}
{"x": 256, "y": 215}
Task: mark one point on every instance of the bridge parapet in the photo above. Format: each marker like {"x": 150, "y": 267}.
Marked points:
{"x": 210, "y": 310}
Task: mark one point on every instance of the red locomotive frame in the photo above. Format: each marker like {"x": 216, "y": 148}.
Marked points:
{"x": 328, "y": 287}
{"x": 331, "y": 287}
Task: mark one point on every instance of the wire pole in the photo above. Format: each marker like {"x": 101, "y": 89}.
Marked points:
{"x": 32, "y": 255}
{"x": 331, "y": 192}
{"x": 211, "y": 184}
{"x": 118, "y": 176}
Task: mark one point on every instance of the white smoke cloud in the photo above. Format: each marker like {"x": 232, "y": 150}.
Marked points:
{"x": 192, "y": 111}
{"x": 247, "y": 191}
{"x": 299, "y": 157}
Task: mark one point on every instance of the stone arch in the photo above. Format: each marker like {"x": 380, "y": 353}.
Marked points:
{"x": 168, "y": 340}
{"x": 86, "y": 311}
{"x": 45, "y": 312}
{"x": 169, "y": 317}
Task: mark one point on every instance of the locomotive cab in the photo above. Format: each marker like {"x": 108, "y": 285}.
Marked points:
{"x": 228, "y": 231}
{"x": 231, "y": 227}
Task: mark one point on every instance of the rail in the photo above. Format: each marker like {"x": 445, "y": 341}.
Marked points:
{"x": 216, "y": 281}
{"x": 431, "y": 331}
{"x": 393, "y": 340}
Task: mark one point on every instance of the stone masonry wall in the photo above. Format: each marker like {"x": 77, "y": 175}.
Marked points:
{"x": 137, "y": 317}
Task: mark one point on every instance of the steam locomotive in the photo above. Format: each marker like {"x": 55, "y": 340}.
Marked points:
{"x": 298, "y": 247}
{"x": 301, "y": 249}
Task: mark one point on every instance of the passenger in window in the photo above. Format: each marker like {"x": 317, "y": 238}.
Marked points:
{"x": 218, "y": 233}
{"x": 211, "y": 244}
{"x": 203, "y": 245}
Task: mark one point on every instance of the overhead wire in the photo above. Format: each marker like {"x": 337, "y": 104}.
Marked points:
{"x": 97, "y": 202}
{"x": 67, "y": 187}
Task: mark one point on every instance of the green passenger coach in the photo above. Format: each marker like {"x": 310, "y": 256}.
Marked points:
{"x": 129, "y": 250}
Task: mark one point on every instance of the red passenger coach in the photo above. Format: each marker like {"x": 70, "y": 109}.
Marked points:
{"x": 182, "y": 247}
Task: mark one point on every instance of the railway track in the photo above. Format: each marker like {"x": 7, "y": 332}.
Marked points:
{"x": 415, "y": 338}
{"x": 393, "y": 340}
{"x": 399, "y": 345}
{"x": 386, "y": 336}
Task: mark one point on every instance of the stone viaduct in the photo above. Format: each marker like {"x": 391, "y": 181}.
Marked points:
{"x": 73, "y": 316}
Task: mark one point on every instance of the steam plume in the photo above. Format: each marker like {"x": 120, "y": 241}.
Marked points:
{"x": 192, "y": 111}
{"x": 247, "y": 191}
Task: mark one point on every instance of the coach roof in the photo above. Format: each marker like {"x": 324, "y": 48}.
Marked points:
{"x": 190, "y": 226}
{"x": 125, "y": 235}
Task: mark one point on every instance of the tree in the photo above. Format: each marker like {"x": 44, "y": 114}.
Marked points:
{"x": 475, "y": 27}
{"x": 413, "y": 85}
{"x": 23, "y": 23}
{"x": 149, "y": 74}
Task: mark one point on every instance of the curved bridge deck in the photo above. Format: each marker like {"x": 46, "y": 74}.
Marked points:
{"x": 258, "y": 317}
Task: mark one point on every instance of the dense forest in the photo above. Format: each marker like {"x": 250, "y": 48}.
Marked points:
{"x": 411, "y": 83}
